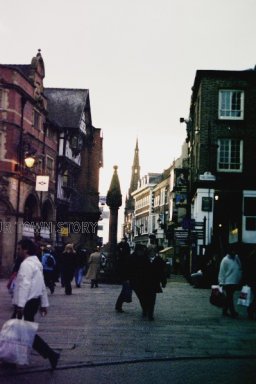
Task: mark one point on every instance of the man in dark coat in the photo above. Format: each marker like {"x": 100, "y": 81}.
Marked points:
{"x": 123, "y": 259}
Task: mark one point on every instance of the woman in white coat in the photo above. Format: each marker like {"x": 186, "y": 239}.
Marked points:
{"x": 230, "y": 275}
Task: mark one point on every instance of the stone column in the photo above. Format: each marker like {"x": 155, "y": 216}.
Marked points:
{"x": 114, "y": 201}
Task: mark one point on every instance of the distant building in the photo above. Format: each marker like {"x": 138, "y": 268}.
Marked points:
{"x": 103, "y": 226}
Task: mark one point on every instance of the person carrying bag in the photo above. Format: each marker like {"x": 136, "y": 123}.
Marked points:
{"x": 16, "y": 340}
{"x": 30, "y": 296}
{"x": 230, "y": 274}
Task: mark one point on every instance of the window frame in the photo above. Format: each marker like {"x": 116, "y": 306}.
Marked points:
{"x": 237, "y": 170}
{"x": 37, "y": 120}
{"x": 221, "y": 111}
{"x": 49, "y": 171}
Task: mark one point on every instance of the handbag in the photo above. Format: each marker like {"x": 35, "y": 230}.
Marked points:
{"x": 16, "y": 340}
{"x": 217, "y": 297}
{"x": 126, "y": 292}
{"x": 244, "y": 296}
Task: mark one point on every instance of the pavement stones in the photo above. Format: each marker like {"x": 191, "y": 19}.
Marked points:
{"x": 87, "y": 330}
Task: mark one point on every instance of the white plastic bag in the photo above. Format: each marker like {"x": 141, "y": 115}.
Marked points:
{"x": 245, "y": 296}
{"x": 16, "y": 339}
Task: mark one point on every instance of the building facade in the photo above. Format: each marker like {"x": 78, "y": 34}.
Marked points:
{"x": 54, "y": 127}
{"x": 24, "y": 132}
{"x": 222, "y": 139}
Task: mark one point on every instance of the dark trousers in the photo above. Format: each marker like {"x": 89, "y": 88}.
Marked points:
{"x": 229, "y": 305}
{"x": 252, "y": 306}
{"x": 49, "y": 280}
{"x": 94, "y": 283}
{"x": 147, "y": 300}
{"x": 39, "y": 344}
{"x": 67, "y": 278}
{"x": 125, "y": 295}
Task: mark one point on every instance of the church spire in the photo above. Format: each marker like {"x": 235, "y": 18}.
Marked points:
{"x": 134, "y": 179}
{"x": 135, "y": 170}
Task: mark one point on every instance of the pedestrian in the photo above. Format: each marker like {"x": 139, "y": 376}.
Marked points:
{"x": 141, "y": 280}
{"x": 251, "y": 281}
{"x": 94, "y": 267}
{"x": 80, "y": 267}
{"x": 30, "y": 295}
{"x": 230, "y": 274}
{"x": 158, "y": 280}
{"x": 68, "y": 264}
{"x": 49, "y": 265}
{"x": 123, "y": 256}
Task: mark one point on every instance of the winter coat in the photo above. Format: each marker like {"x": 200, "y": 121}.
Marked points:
{"x": 30, "y": 283}
{"x": 94, "y": 266}
{"x": 159, "y": 280}
{"x": 140, "y": 271}
{"x": 68, "y": 264}
{"x": 230, "y": 270}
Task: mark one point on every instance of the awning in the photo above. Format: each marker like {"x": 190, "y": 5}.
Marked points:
{"x": 169, "y": 251}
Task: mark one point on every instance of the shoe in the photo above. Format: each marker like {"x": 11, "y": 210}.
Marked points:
{"x": 151, "y": 318}
{"x": 54, "y": 358}
{"x": 119, "y": 310}
{"x": 234, "y": 315}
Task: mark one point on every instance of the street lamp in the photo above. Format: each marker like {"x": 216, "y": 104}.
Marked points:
{"x": 29, "y": 160}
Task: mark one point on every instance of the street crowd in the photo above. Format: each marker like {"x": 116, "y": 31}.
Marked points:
{"x": 37, "y": 270}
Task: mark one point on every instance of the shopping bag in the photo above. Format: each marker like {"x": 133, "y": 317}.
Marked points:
{"x": 217, "y": 297}
{"x": 16, "y": 339}
{"x": 244, "y": 296}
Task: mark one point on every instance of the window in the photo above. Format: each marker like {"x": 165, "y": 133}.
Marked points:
{"x": 49, "y": 166}
{"x": 230, "y": 153}
{"x": 231, "y": 104}
{"x": 36, "y": 119}
{"x": 65, "y": 179}
{"x": 39, "y": 167}
{"x": 250, "y": 213}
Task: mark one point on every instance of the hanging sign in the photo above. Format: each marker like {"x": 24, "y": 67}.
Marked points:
{"x": 42, "y": 183}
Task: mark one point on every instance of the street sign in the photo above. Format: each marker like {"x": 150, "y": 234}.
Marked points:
{"x": 42, "y": 183}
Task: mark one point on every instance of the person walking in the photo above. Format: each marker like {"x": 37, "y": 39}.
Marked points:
{"x": 30, "y": 295}
{"x": 158, "y": 281}
{"x": 140, "y": 279}
{"x": 81, "y": 259}
{"x": 49, "y": 265}
{"x": 123, "y": 256}
{"x": 230, "y": 274}
{"x": 94, "y": 267}
{"x": 251, "y": 281}
{"x": 68, "y": 264}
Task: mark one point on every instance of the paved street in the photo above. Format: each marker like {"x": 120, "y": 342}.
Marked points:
{"x": 93, "y": 338}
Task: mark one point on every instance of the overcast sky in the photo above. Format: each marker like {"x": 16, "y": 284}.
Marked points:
{"x": 138, "y": 58}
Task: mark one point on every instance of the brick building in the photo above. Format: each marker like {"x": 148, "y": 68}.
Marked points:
{"x": 67, "y": 150}
{"x": 222, "y": 139}
{"x": 24, "y": 132}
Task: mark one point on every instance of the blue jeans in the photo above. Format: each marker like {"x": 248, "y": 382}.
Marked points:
{"x": 79, "y": 272}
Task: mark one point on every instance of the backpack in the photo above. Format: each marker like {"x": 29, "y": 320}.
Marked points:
{"x": 50, "y": 261}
